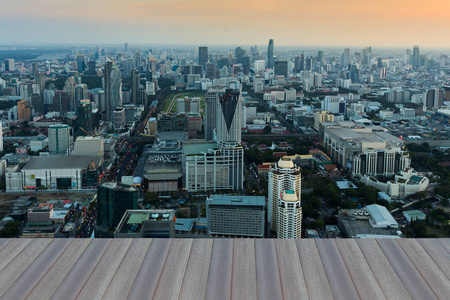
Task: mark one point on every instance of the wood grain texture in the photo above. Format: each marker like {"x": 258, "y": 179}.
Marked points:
{"x": 381, "y": 268}
{"x": 437, "y": 252}
{"x": 243, "y": 285}
{"x": 123, "y": 279}
{"x": 220, "y": 270}
{"x": 405, "y": 269}
{"x": 197, "y": 270}
{"x": 316, "y": 279}
{"x": 429, "y": 271}
{"x": 59, "y": 270}
{"x": 267, "y": 273}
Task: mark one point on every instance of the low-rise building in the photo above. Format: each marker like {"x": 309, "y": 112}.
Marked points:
{"x": 153, "y": 223}
{"x": 414, "y": 215}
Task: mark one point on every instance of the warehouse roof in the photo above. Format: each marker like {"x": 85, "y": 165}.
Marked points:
{"x": 60, "y": 162}
{"x": 224, "y": 269}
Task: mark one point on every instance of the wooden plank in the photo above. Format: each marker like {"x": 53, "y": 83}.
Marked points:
{"x": 21, "y": 262}
{"x": 147, "y": 279}
{"x": 197, "y": 270}
{"x": 340, "y": 281}
{"x": 408, "y": 274}
{"x": 11, "y": 250}
{"x": 267, "y": 273}
{"x": 243, "y": 279}
{"x": 123, "y": 279}
{"x": 104, "y": 271}
{"x": 381, "y": 268}
{"x": 79, "y": 274}
{"x": 3, "y": 242}
{"x": 32, "y": 275}
{"x": 291, "y": 273}
{"x": 59, "y": 270}
{"x": 362, "y": 277}
{"x": 445, "y": 243}
{"x": 438, "y": 253}
{"x": 316, "y": 279}
{"x": 430, "y": 272}
{"x": 171, "y": 279}
{"x": 219, "y": 277}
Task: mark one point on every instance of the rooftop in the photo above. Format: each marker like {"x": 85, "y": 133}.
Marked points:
{"x": 237, "y": 200}
{"x": 224, "y": 268}
{"x": 60, "y": 162}
{"x": 381, "y": 216}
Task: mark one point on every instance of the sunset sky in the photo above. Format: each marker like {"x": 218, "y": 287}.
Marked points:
{"x": 384, "y": 23}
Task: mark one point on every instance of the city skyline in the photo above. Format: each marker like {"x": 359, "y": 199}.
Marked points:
{"x": 351, "y": 24}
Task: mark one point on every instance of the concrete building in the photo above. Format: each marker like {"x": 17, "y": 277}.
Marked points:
{"x": 289, "y": 215}
{"x": 153, "y": 223}
{"x": 283, "y": 176}
{"x": 384, "y": 162}
{"x": 322, "y": 117}
{"x": 40, "y": 214}
{"x": 334, "y": 104}
{"x": 55, "y": 173}
{"x": 414, "y": 215}
{"x": 113, "y": 200}
{"x": 119, "y": 117}
{"x": 188, "y": 105}
{"x": 59, "y": 139}
{"x": 112, "y": 82}
{"x": 235, "y": 216}
{"x": 23, "y": 110}
{"x": 89, "y": 145}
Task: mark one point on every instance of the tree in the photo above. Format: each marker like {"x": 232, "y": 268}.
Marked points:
{"x": 10, "y": 229}
{"x": 445, "y": 202}
{"x": 267, "y": 129}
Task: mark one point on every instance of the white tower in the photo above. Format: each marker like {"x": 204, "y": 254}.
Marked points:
{"x": 289, "y": 225}
{"x": 283, "y": 176}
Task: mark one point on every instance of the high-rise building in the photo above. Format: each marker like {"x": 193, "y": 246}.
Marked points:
{"x": 113, "y": 200}
{"x": 9, "y": 65}
{"x": 334, "y": 104}
{"x": 283, "y": 176}
{"x": 345, "y": 58}
{"x": 87, "y": 121}
{"x": 228, "y": 117}
{"x": 89, "y": 145}
{"x": 239, "y": 53}
{"x": 203, "y": 56}
{"x": 23, "y": 110}
{"x": 435, "y": 98}
{"x": 281, "y": 67}
{"x": 61, "y": 102}
{"x": 91, "y": 66}
{"x": 80, "y": 63}
{"x": 126, "y": 47}
{"x": 320, "y": 56}
{"x": 353, "y": 73}
{"x": 270, "y": 57}
{"x": 59, "y": 138}
{"x": 112, "y": 82}
{"x": 81, "y": 93}
{"x": 416, "y": 57}
{"x": 235, "y": 216}
{"x": 289, "y": 215}
{"x": 1, "y": 137}
{"x": 135, "y": 83}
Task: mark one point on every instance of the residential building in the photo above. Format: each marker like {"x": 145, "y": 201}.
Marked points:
{"x": 235, "y": 216}
{"x": 289, "y": 215}
{"x": 59, "y": 138}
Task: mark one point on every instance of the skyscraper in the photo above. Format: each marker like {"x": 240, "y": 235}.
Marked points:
{"x": 281, "y": 67}
{"x": 112, "y": 82}
{"x": 23, "y": 110}
{"x": 270, "y": 57}
{"x": 58, "y": 138}
{"x": 289, "y": 225}
{"x": 416, "y": 57}
{"x": 9, "y": 65}
{"x": 345, "y": 58}
{"x": 113, "y": 200}
{"x": 135, "y": 83}
{"x": 80, "y": 63}
{"x": 203, "y": 56}
{"x": 228, "y": 117}
{"x": 283, "y": 176}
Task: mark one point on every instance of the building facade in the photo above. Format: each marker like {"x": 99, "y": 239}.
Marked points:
{"x": 289, "y": 215}
{"x": 59, "y": 138}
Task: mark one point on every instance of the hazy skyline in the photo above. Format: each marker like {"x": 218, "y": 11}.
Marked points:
{"x": 383, "y": 23}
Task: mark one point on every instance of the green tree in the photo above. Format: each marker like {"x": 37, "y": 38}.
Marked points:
{"x": 445, "y": 202}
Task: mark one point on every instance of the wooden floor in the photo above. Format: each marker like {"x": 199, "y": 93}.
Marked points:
{"x": 224, "y": 269}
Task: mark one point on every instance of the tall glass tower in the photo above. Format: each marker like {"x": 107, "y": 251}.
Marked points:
{"x": 270, "y": 58}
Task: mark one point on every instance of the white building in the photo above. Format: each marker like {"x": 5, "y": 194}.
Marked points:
{"x": 59, "y": 138}
{"x": 289, "y": 225}
{"x": 283, "y": 176}
{"x": 89, "y": 145}
{"x": 188, "y": 105}
{"x": 385, "y": 162}
{"x": 334, "y": 104}
{"x": 380, "y": 217}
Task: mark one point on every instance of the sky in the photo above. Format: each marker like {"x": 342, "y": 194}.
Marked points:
{"x": 346, "y": 23}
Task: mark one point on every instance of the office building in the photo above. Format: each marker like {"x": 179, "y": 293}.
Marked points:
{"x": 81, "y": 63}
{"x": 203, "y": 56}
{"x": 153, "y": 223}
{"x": 281, "y": 68}
{"x": 23, "y": 110}
{"x": 89, "y": 145}
{"x": 9, "y": 65}
{"x": 59, "y": 139}
{"x": 188, "y": 105}
{"x": 235, "y": 216}
{"x": 289, "y": 215}
{"x": 113, "y": 200}
{"x": 113, "y": 89}
{"x": 88, "y": 118}
{"x": 334, "y": 104}
{"x": 345, "y": 58}
{"x": 434, "y": 98}
{"x": 270, "y": 56}
{"x": 81, "y": 93}
{"x": 228, "y": 117}
{"x": 135, "y": 84}
{"x": 283, "y": 176}
{"x": 384, "y": 162}
{"x": 61, "y": 102}
{"x": 416, "y": 57}
{"x": 91, "y": 66}
{"x": 1, "y": 143}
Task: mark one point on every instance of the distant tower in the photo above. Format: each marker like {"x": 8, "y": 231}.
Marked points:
{"x": 113, "y": 88}
{"x": 203, "y": 56}
{"x": 228, "y": 117}
{"x": 345, "y": 58}
{"x": 283, "y": 176}
{"x": 80, "y": 63}
{"x": 58, "y": 138}
{"x": 126, "y": 47}
{"x": 289, "y": 224}
{"x": 416, "y": 57}
{"x": 135, "y": 84}
{"x": 270, "y": 58}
